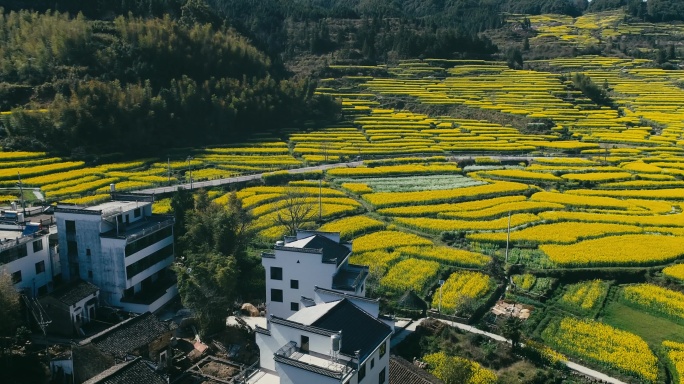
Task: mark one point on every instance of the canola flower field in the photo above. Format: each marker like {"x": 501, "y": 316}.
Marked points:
{"x": 598, "y": 189}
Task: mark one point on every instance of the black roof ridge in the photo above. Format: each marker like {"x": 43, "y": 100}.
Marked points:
{"x": 346, "y": 295}
{"x": 297, "y": 325}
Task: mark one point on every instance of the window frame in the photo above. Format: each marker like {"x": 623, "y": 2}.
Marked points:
{"x": 37, "y": 245}
{"x": 279, "y": 294}
{"x": 276, "y": 273}
{"x": 40, "y": 267}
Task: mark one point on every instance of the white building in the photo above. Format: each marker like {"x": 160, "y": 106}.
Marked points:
{"x": 309, "y": 260}
{"x": 25, "y": 254}
{"x": 334, "y": 342}
{"x": 122, "y": 248}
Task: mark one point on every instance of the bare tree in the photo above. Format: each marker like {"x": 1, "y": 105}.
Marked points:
{"x": 295, "y": 209}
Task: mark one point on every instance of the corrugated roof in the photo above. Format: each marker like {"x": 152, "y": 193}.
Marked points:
{"x": 401, "y": 371}
{"x": 361, "y": 331}
{"x": 132, "y": 372}
{"x": 75, "y": 292}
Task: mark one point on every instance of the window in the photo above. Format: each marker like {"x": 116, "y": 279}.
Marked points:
{"x": 383, "y": 349}
{"x": 37, "y": 246}
{"x": 277, "y": 295}
{"x": 294, "y": 284}
{"x": 304, "y": 345}
{"x": 72, "y": 248}
{"x": 90, "y": 274}
{"x": 294, "y": 306}
{"x": 381, "y": 377}
{"x": 136, "y": 212}
{"x": 16, "y": 277}
{"x": 276, "y": 273}
{"x": 149, "y": 260}
{"x": 362, "y": 372}
{"x": 372, "y": 363}
{"x": 40, "y": 267}
{"x": 22, "y": 251}
{"x": 70, "y": 226}
{"x": 87, "y": 251}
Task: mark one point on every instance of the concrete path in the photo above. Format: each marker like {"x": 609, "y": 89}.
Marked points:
{"x": 402, "y": 333}
{"x": 238, "y": 179}
{"x": 257, "y": 176}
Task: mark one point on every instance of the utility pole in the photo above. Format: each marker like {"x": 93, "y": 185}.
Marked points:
{"x": 320, "y": 199}
{"x": 508, "y": 235}
{"x": 21, "y": 192}
{"x": 190, "y": 167}
{"x": 439, "y": 308}
{"x": 168, "y": 165}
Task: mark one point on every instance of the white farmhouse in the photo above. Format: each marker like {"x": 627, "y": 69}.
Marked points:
{"x": 25, "y": 254}
{"x": 321, "y": 328}
{"x": 334, "y": 342}
{"x": 309, "y": 260}
{"x": 122, "y": 248}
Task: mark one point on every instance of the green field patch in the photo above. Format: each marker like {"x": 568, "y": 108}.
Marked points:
{"x": 653, "y": 329}
{"x": 416, "y": 183}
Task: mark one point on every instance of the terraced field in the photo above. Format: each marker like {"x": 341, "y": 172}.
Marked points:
{"x": 546, "y": 182}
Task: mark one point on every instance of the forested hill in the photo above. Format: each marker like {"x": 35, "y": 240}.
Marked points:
{"x": 138, "y": 85}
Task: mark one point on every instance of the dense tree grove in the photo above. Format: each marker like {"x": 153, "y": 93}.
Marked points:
{"x": 138, "y": 84}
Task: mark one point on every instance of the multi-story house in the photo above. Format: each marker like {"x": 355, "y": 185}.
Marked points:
{"x": 26, "y": 255}
{"x": 122, "y": 248}
{"x": 334, "y": 342}
{"x": 301, "y": 263}
{"x": 321, "y": 328}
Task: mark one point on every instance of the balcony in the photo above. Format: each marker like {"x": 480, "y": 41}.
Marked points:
{"x": 350, "y": 277}
{"x": 139, "y": 229}
{"x": 323, "y": 365}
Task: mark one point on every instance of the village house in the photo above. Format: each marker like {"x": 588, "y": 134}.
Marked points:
{"x": 70, "y": 307}
{"x": 303, "y": 262}
{"x": 122, "y": 248}
{"x": 26, "y": 255}
{"x": 141, "y": 336}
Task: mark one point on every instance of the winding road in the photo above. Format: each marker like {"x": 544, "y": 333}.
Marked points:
{"x": 403, "y": 333}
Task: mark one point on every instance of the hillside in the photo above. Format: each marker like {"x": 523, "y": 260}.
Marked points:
{"x": 79, "y": 87}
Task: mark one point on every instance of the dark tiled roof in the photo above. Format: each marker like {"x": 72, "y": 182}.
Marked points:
{"x": 332, "y": 250}
{"x": 411, "y": 300}
{"x": 350, "y": 277}
{"x": 360, "y": 330}
{"x": 73, "y": 293}
{"x": 344, "y": 294}
{"x": 129, "y": 335}
{"x": 402, "y": 371}
{"x": 132, "y": 372}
